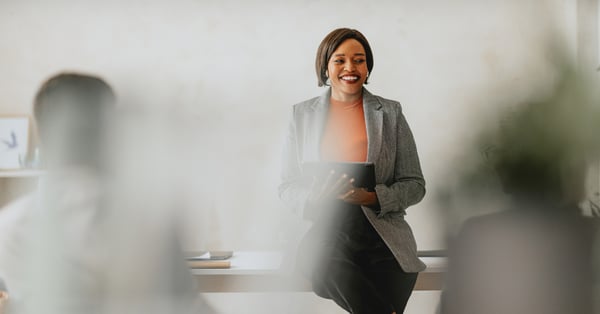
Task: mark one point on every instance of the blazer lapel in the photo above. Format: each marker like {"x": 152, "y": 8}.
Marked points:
{"x": 374, "y": 124}
{"x": 317, "y": 126}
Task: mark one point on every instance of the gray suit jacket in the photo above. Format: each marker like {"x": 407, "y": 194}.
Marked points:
{"x": 391, "y": 148}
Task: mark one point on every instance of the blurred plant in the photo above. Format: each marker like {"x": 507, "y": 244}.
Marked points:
{"x": 538, "y": 151}
{"x": 542, "y": 149}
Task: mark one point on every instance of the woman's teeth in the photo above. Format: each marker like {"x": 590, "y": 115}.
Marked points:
{"x": 350, "y": 78}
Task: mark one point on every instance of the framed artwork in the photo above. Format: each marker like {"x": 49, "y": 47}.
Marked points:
{"x": 14, "y": 141}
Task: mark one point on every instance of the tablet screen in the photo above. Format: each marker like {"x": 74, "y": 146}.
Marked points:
{"x": 362, "y": 172}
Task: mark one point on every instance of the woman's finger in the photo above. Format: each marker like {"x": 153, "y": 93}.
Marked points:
{"x": 328, "y": 180}
{"x": 358, "y": 196}
{"x": 347, "y": 195}
{"x": 319, "y": 186}
{"x": 343, "y": 189}
{"x": 325, "y": 184}
{"x": 339, "y": 183}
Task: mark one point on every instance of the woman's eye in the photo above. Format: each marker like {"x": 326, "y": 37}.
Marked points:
{"x": 359, "y": 61}
{"x": 338, "y": 61}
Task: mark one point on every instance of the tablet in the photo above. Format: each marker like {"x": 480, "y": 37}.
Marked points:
{"x": 362, "y": 172}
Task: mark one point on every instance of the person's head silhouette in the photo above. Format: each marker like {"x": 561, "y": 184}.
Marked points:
{"x": 71, "y": 111}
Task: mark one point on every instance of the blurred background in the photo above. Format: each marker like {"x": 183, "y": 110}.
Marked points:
{"x": 234, "y": 68}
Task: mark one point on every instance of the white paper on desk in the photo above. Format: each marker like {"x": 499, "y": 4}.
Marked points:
{"x": 205, "y": 256}
{"x": 213, "y": 255}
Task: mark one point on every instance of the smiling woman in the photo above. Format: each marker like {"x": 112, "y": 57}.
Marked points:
{"x": 360, "y": 252}
{"x": 344, "y": 59}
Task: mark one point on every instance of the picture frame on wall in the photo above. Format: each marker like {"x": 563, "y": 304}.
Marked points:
{"x": 14, "y": 141}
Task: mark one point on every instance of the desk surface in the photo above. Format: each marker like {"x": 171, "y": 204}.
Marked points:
{"x": 269, "y": 262}
{"x": 262, "y": 271}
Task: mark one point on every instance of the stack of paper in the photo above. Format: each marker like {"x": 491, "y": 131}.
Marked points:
{"x": 211, "y": 259}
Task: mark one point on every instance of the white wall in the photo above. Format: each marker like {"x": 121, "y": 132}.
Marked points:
{"x": 238, "y": 65}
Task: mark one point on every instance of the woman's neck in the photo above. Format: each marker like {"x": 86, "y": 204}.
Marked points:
{"x": 345, "y": 98}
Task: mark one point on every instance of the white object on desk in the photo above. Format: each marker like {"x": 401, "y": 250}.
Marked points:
{"x": 26, "y": 173}
{"x": 249, "y": 263}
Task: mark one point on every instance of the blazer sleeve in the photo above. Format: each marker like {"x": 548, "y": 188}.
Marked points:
{"x": 408, "y": 185}
{"x": 293, "y": 189}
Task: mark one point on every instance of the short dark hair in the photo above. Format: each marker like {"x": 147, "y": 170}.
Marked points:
{"x": 331, "y": 42}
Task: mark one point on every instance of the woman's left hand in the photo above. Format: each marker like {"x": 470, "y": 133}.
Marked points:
{"x": 359, "y": 196}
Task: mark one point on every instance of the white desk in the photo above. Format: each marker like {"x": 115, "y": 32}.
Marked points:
{"x": 261, "y": 272}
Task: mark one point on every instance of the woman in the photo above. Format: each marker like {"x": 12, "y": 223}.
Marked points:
{"x": 360, "y": 251}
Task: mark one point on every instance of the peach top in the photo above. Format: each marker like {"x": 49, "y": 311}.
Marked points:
{"x": 345, "y": 135}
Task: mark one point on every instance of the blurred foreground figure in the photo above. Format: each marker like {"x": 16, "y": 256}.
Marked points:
{"x": 3, "y": 296}
{"x": 536, "y": 256}
{"x": 48, "y": 251}
{"x": 63, "y": 247}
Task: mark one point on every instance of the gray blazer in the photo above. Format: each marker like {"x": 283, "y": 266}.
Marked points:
{"x": 391, "y": 148}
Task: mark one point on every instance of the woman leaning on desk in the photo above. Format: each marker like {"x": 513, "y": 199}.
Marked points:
{"x": 359, "y": 252}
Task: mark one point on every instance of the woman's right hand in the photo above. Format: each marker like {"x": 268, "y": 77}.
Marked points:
{"x": 334, "y": 186}
{"x": 340, "y": 187}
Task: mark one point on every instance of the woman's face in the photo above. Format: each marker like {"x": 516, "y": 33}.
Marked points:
{"x": 347, "y": 71}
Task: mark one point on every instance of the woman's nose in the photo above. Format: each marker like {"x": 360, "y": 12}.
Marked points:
{"x": 349, "y": 66}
